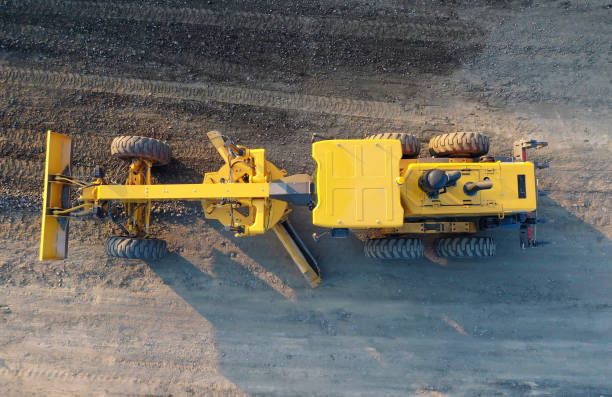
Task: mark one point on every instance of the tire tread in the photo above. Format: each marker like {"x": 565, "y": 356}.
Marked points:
{"x": 129, "y": 147}
{"x": 465, "y": 247}
{"x": 459, "y": 144}
{"x": 136, "y": 248}
{"x": 411, "y": 146}
{"x": 394, "y": 248}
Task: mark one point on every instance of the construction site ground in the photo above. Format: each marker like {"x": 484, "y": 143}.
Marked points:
{"x": 232, "y": 317}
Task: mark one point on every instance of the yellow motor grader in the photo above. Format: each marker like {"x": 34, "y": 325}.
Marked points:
{"x": 374, "y": 183}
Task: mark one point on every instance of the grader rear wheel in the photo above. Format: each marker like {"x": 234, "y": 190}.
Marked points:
{"x": 130, "y": 147}
{"x": 459, "y": 144}
{"x": 147, "y": 249}
{"x": 465, "y": 247}
{"x": 394, "y": 248}
{"x": 411, "y": 146}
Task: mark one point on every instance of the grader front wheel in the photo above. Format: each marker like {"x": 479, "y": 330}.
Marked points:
{"x": 148, "y": 249}
{"x": 133, "y": 147}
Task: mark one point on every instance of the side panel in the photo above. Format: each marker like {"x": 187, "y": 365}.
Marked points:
{"x": 356, "y": 183}
{"x": 54, "y": 231}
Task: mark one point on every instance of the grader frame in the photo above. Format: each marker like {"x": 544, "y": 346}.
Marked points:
{"x": 245, "y": 180}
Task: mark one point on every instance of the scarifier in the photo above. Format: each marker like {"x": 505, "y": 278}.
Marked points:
{"x": 378, "y": 183}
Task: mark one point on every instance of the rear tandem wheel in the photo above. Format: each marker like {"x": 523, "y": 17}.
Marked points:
{"x": 394, "y": 248}
{"x": 465, "y": 247}
{"x": 459, "y": 144}
{"x": 411, "y": 146}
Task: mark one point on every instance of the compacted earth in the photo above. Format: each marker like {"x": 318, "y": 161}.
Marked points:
{"x": 231, "y": 317}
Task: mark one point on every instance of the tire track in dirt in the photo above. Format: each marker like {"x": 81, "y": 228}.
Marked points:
{"x": 114, "y": 380}
{"x": 31, "y": 371}
{"x": 30, "y": 145}
{"x": 21, "y": 143}
{"x": 55, "y": 42}
{"x": 24, "y": 178}
{"x": 247, "y": 20}
{"x": 21, "y": 184}
{"x": 204, "y": 92}
{"x": 19, "y": 170}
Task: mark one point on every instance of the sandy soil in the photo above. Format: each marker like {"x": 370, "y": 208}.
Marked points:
{"x": 231, "y": 317}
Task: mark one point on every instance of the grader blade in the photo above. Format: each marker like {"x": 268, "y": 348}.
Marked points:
{"x": 56, "y": 196}
{"x": 303, "y": 259}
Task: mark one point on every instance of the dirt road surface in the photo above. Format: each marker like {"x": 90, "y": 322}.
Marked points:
{"x": 227, "y": 317}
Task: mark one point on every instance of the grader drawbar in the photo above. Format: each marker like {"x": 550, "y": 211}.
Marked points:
{"x": 378, "y": 184}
